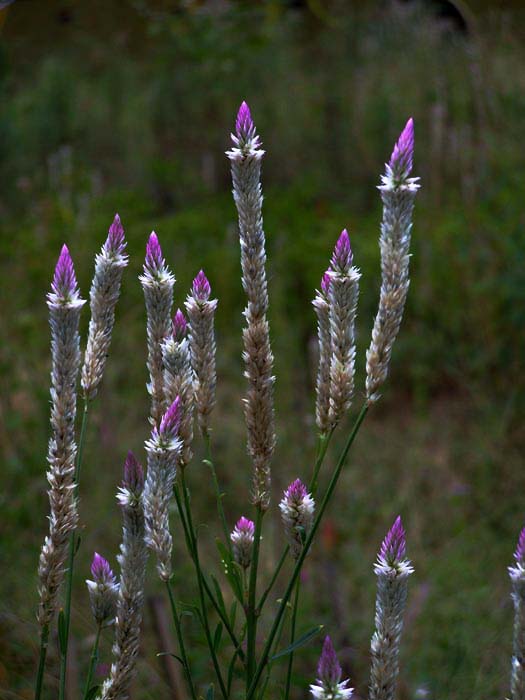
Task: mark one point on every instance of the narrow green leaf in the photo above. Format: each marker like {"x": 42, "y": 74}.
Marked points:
{"x": 298, "y": 643}
{"x": 218, "y": 592}
{"x": 173, "y": 656}
{"x": 233, "y": 613}
{"x": 77, "y": 544}
{"x": 92, "y": 692}
{"x": 217, "y": 636}
{"x": 231, "y": 670}
{"x": 62, "y": 632}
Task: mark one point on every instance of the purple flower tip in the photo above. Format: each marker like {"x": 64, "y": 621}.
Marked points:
{"x": 180, "y": 326}
{"x": 154, "y": 259}
{"x": 170, "y": 421}
{"x": 519, "y": 554}
{"x": 115, "y": 241}
{"x": 101, "y": 570}
{"x": 342, "y": 255}
{"x": 402, "y": 156}
{"x": 245, "y": 525}
{"x": 328, "y": 669}
{"x": 133, "y": 474}
{"x": 325, "y": 283}
{"x": 64, "y": 281}
{"x": 297, "y": 491}
{"x": 244, "y": 122}
{"x": 201, "y": 287}
{"x": 393, "y": 549}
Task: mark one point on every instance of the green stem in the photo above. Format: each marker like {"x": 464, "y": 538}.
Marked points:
{"x": 70, "y": 563}
{"x": 200, "y": 579}
{"x": 44, "y": 640}
{"x": 251, "y": 612}
{"x": 292, "y": 639}
{"x": 219, "y": 494}
{"x": 92, "y": 662}
{"x": 304, "y": 552}
{"x": 207, "y": 588}
{"x": 182, "y": 648}
{"x": 322, "y": 447}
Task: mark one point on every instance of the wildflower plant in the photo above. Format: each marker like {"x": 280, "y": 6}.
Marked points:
{"x": 156, "y": 507}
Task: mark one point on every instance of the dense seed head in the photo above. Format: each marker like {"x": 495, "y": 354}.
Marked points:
{"x": 402, "y": 156}
{"x": 393, "y": 548}
{"x": 201, "y": 288}
{"x": 64, "y": 283}
{"x": 115, "y": 242}
{"x": 180, "y": 326}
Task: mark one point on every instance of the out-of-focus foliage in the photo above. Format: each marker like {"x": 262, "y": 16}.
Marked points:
{"x": 130, "y": 112}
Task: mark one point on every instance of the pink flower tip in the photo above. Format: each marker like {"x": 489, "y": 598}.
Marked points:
{"x": 154, "y": 260}
{"x": 342, "y": 256}
{"x": 201, "y": 288}
{"x": 325, "y": 283}
{"x": 101, "y": 570}
{"x": 329, "y": 670}
{"x": 402, "y": 157}
{"x": 245, "y": 526}
{"x": 244, "y": 123}
{"x": 519, "y": 554}
{"x": 393, "y": 548}
{"x": 170, "y": 421}
{"x": 115, "y": 242}
{"x": 64, "y": 281}
{"x": 180, "y": 326}
{"x": 133, "y": 474}
{"x": 297, "y": 491}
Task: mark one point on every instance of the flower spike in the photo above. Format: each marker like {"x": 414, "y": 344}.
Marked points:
{"x": 64, "y": 283}
{"x": 402, "y": 157}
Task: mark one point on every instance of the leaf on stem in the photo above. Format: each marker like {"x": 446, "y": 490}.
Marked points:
{"x": 298, "y": 643}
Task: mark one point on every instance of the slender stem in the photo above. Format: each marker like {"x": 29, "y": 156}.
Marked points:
{"x": 304, "y": 552}
{"x": 207, "y": 588}
{"x": 322, "y": 447}
{"x": 324, "y": 441}
{"x": 92, "y": 662}
{"x": 292, "y": 639}
{"x": 182, "y": 648}
{"x": 44, "y": 640}
{"x": 251, "y": 613}
{"x": 218, "y": 492}
{"x": 200, "y": 579}
{"x": 71, "y": 560}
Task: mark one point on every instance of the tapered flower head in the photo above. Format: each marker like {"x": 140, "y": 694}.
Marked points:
{"x": 297, "y": 513}
{"x": 180, "y": 326}
{"x": 519, "y": 554}
{"x": 201, "y": 288}
{"x": 169, "y": 425}
{"x": 245, "y": 139}
{"x": 402, "y": 156}
{"x": 242, "y": 538}
{"x": 244, "y": 123}
{"x": 64, "y": 283}
{"x": 517, "y": 572}
{"x": 133, "y": 474}
{"x": 154, "y": 261}
{"x": 392, "y": 554}
{"x": 330, "y": 686}
{"x": 115, "y": 242}
{"x": 103, "y": 590}
{"x": 342, "y": 256}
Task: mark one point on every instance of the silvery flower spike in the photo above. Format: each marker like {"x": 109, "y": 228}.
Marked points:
{"x": 329, "y": 685}
{"x": 103, "y": 590}
{"x": 297, "y": 513}
{"x": 517, "y": 577}
{"x": 242, "y": 538}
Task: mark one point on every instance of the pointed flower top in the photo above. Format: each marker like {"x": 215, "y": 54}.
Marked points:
{"x": 328, "y": 669}
{"x": 133, "y": 474}
{"x": 154, "y": 262}
{"x": 325, "y": 283}
{"x": 115, "y": 242}
{"x": 64, "y": 284}
{"x": 245, "y": 526}
{"x": 402, "y": 157}
{"x": 342, "y": 256}
{"x": 170, "y": 421}
{"x": 180, "y": 326}
{"x": 297, "y": 491}
{"x": 101, "y": 570}
{"x": 393, "y": 549}
{"x": 519, "y": 554}
{"x": 201, "y": 288}
{"x": 244, "y": 125}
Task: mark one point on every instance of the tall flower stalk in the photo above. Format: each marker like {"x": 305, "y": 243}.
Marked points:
{"x": 398, "y": 192}
{"x": 321, "y": 304}
{"x": 130, "y": 601}
{"x": 517, "y": 577}
{"x": 392, "y": 570}
{"x": 64, "y": 305}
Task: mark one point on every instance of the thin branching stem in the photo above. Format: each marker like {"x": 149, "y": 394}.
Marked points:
{"x": 218, "y": 492}
{"x": 71, "y": 561}
{"x": 292, "y": 639}
{"x": 44, "y": 641}
{"x": 297, "y": 569}
{"x": 180, "y": 638}
{"x": 92, "y": 661}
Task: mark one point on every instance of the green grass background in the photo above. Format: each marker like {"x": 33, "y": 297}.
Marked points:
{"x": 127, "y": 107}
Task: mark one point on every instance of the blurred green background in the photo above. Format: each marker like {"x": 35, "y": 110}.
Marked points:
{"x": 127, "y": 106}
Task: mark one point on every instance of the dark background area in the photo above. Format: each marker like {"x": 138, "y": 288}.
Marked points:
{"x": 127, "y": 106}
